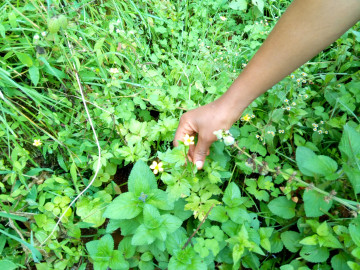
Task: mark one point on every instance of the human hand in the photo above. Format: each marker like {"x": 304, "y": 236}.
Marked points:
{"x": 203, "y": 121}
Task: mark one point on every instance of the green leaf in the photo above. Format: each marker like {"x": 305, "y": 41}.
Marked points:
{"x": 282, "y": 207}
{"x": 353, "y": 265}
{"x": 314, "y": 254}
{"x": 213, "y": 245}
{"x": 218, "y": 154}
{"x": 260, "y": 4}
{"x": 171, "y": 223}
{"x": 175, "y": 240}
{"x": 160, "y": 200}
{"x": 238, "y": 5}
{"x": 99, "y": 43}
{"x": 127, "y": 248}
{"x": 125, "y": 206}
{"x": 174, "y": 156}
{"x": 339, "y": 261}
{"x": 353, "y": 175}
{"x": 61, "y": 162}
{"x": 101, "y": 250}
{"x": 311, "y": 165}
{"x": 8, "y": 265}
{"x": 329, "y": 241}
{"x": 350, "y": 145}
{"x": 34, "y": 75}
{"x": 323, "y": 229}
{"x": 218, "y": 213}
{"x": 152, "y": 219}
{"x": 291, "y": 240}
{"x": 24, "y": 58}
{"x": 276, "y": 243}
{"x": 117, "y": 261}
{"x": 73, "y": 172}
{"x": 310, "y": 240}
{"x": 314, "y": 203}
{"x": 232, "y": 195}
{"x": 354, "y": 230}
{"x": 141, "y": 179}
{"x": 238, "y": 251}
{"x": 142, "y": 236}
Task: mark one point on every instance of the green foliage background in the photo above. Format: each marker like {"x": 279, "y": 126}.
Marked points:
{"x": 285, "y": 196}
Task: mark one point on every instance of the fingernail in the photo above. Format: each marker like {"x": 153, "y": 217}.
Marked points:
{"x": 199, "y": 164}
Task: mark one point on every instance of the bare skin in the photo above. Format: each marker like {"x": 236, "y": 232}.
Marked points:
{"x": 306, "y": 28}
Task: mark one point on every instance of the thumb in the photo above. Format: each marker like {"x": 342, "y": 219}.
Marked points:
{"x": 200, "y": 153}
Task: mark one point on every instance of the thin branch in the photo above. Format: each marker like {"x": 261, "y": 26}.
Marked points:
{"x": 198, "y": 228}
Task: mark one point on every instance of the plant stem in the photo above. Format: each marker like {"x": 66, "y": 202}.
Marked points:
{"x": 198, "y": 228}
{"x": 308, "y": 185}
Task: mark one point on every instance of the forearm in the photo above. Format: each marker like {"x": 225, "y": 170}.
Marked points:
{"x": 306, "y": 28}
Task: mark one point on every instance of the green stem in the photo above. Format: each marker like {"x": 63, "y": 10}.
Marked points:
{"x": 342, "y": 201}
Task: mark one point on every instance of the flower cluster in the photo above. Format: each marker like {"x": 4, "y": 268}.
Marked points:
{"x": 114, "y": 70}
{"x": 224, "y": 135}
{"x": 318, "y": 129}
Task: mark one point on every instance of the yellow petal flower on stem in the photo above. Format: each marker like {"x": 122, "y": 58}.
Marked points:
{"x": 188, "y": 140}
{"x": 157, "y": 167}
{"x": 246, "y": 118}
{"x": 37, "y": 142}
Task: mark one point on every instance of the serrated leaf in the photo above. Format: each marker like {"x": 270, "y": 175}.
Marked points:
{"x": 329, "y": 241}
{"x": 175, "y": 240}
{"x": 323, "y": 229}
{"x": 260, "y": 4}
{"x": 310, "y": 240}
{"x": 282, "y": 207}
{"x": 126, "y": 247}
{"x": 339, "y": 261}
{"x": 232, "y": 195}
{"x": 353, "y": 175}
{"x": 350, "y": 145}
{"x": 314, "y": 203}
{"x": 117, "y": 261}
{"x": 171, "y": 223}
{"x": 174, "y": 156}
{"x": 312, "y": 165}
{"x": 238, "y": 5}
{"x": 142, "y": 236}
{"x": 125, "y": 206}
{"x": 160, "y": 200}
{"x": 141, "y": 179}
{"x": 218, "y": 213}
{"x": 314, "y": 254}
{"x": 152, "y": 217}
{"x": 291, "y": 240}
{"x": 354, "y": 230}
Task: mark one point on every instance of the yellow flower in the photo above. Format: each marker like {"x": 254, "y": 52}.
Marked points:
{"x": 157, "y": 167}
{"x": 246, "y": 118}
{"x": 188, "y": 140}
{"x": 37, "y": 142}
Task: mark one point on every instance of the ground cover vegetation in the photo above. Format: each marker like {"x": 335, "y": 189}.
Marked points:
{"x": 278, "y": 192}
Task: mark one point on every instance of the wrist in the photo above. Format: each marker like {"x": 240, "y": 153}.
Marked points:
{"x": 237, "y": 98}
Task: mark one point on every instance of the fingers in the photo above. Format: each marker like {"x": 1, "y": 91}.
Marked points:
{"x": 184, "y": 128}
{"x": 201, "y": 151}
